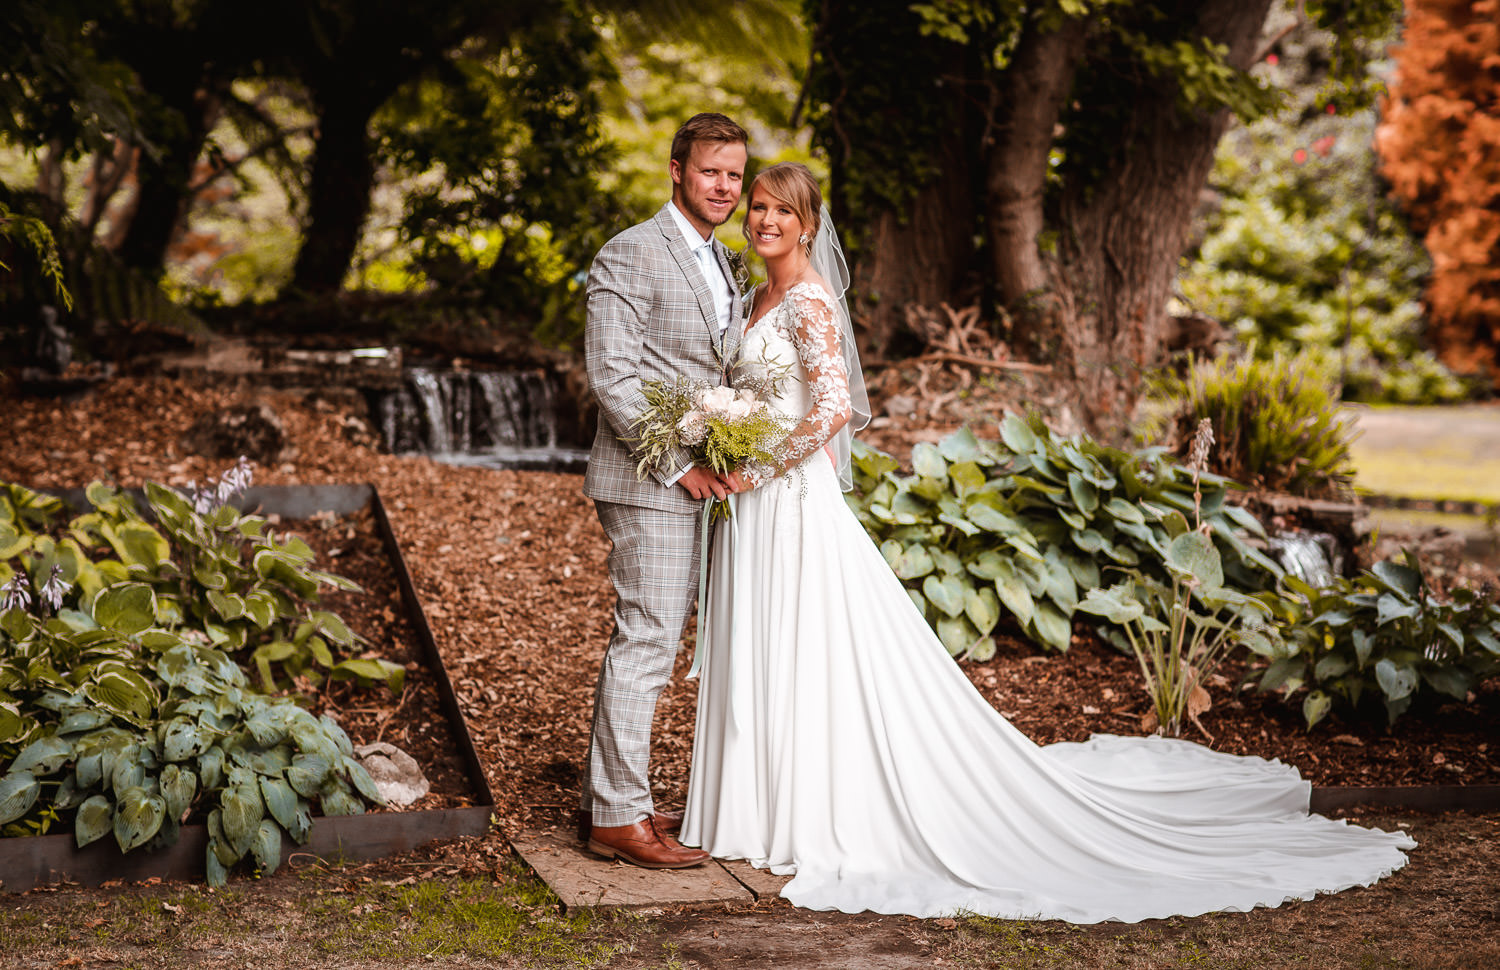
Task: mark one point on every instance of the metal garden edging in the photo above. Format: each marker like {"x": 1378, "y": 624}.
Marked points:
{"x": 28, "y": 862}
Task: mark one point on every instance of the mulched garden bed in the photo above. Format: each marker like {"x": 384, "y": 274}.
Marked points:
{"x": 510, "y": 569}
{"x": 351, "y": 547}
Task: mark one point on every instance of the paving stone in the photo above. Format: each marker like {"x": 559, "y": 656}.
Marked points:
{"x": 582, "y": 879}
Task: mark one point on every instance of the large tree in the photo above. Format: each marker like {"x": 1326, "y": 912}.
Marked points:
{"x": 1042, "y": 157}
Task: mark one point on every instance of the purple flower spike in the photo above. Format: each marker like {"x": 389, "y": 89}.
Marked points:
{"x": 55, "y": 589}
{"x": 17, "y": 593}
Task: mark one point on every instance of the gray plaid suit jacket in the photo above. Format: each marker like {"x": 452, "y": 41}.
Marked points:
{"x": 651, "y": 316}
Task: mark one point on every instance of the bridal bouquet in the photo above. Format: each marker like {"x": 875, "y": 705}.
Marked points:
{"x": 721, "y": 427}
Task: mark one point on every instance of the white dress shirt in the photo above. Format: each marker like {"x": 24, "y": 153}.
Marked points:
{"x": 704, "y": 249}
{"x": 717, "y": 284}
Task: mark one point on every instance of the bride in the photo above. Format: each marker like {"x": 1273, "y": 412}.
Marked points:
{"x": 837, "y": 741}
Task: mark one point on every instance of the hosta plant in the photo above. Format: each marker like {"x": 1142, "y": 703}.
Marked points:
{"x": 1381, "y": 640}
{"x": 133, "y": 730}
{"x": 210, "y": 568}
{"x": 120, "y": 709}
{"x": 1028, "y": 524}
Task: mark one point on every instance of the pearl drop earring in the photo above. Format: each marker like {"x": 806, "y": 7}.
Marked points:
{"x": 803, "y": 239}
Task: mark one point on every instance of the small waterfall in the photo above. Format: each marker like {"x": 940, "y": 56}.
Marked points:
{"x": 1313, "y": 557}
{"x": 498, "y": 419}
{"x": 429, "y": 390}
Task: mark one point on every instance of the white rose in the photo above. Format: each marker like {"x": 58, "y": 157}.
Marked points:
{"x": 738, "y": 408}
{"x": 716, "y": 399}
{"x": 748, "y": 396}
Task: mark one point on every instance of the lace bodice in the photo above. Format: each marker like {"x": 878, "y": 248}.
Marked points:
{"x": 801, "y": 331}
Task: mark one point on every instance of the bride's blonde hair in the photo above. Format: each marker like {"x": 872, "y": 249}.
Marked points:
{"x": 792, "y": 183}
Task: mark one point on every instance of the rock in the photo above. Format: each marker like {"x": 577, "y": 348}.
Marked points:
{"x": 900, "y": 406}
{"x": 249, "y": 429}
{"x": 397, "y": 775}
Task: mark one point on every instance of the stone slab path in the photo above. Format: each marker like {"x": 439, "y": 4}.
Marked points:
{"x": 582, "y": 879}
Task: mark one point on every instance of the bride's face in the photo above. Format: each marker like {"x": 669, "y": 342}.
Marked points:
{"x": 774, "y": 227}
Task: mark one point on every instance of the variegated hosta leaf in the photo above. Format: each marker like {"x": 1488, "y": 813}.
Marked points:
{"x": 95, "y": 819}
{"x": 129, "y": 608}
{"x": 138, "y": 814}
{"x": 266, "y": 847}
{"x": 18, "y": 792}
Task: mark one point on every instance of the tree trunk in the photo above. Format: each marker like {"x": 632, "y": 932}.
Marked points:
{"x": 918, "y": 250}
{"x": 162, "y": 189}
{"x": 919, "y": 256}
{"x": 1029, "y": 104}
{"x": 338, "y": 193}
{"x": 1122, "y": 236}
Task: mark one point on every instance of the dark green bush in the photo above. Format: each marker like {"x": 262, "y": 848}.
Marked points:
{"x": 1383, "y": 638}
{"x": 1277, "y": 420}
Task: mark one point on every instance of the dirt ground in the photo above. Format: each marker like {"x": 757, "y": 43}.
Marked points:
{"x": 510, "y": 568}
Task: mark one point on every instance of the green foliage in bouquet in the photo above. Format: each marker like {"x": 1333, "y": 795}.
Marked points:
{"x": 118, "y": 705}
{"x": 1383, "y": 637}
{"x": 1027, "y": 525}
{"x": 1278, "y": 422}
{"x": 720, "y": 427}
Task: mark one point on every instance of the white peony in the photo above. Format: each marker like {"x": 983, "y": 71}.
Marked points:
{"x": 738, "y": 408}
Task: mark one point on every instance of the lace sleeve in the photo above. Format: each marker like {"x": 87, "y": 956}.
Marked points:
{"x": 815, "y": 334}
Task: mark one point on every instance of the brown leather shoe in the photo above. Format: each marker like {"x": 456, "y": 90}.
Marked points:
{"x": 642, "y": 845}
{"x": 667, "y": 823}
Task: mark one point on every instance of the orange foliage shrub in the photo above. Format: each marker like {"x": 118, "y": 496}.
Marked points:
{"x": 1440, "y": 148}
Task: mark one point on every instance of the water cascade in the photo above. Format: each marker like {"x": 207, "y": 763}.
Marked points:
{"x": 497, "y": 419}
{"x": 1313, "y": 557}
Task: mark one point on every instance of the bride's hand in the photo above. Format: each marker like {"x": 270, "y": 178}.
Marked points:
{"x": 735, "y": 483}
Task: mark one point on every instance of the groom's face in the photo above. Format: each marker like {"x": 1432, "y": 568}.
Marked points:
{"x": 707, "y": 188}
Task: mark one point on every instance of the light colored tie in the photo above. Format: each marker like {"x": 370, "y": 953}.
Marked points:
{"x": 710, "y": 267}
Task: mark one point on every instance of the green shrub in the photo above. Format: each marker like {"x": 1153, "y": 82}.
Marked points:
{"x": 1381, "y": 637}
{"x": 1027, "y": 524}
{"x": 1278, "y": 422}
{"x": 117, "y": 703}
{"x": 1305, "y": 254}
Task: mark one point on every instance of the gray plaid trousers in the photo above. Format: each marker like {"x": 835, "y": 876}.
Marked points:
{"x": 654, "y": 568}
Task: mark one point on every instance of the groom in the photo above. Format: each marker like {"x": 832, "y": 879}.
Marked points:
{"x": 662, "y": 301}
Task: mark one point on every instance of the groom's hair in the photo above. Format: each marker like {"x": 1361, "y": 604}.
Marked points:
{"x": 708, "y": 126}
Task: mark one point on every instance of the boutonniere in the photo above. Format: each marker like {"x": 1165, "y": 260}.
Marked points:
{"x": 737, "y": 268}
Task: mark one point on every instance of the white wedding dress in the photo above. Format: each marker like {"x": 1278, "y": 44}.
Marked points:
{"x": 837, "y": 740}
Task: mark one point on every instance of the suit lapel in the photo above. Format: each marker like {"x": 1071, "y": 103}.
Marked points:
{"x": 692, "y": 272}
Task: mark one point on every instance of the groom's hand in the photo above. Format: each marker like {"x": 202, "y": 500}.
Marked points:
{"x": 735, "y": 483}
{"x": 701, "y": 483}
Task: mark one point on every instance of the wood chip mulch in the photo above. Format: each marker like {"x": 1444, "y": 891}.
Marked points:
{"x": 510, "y": 569}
